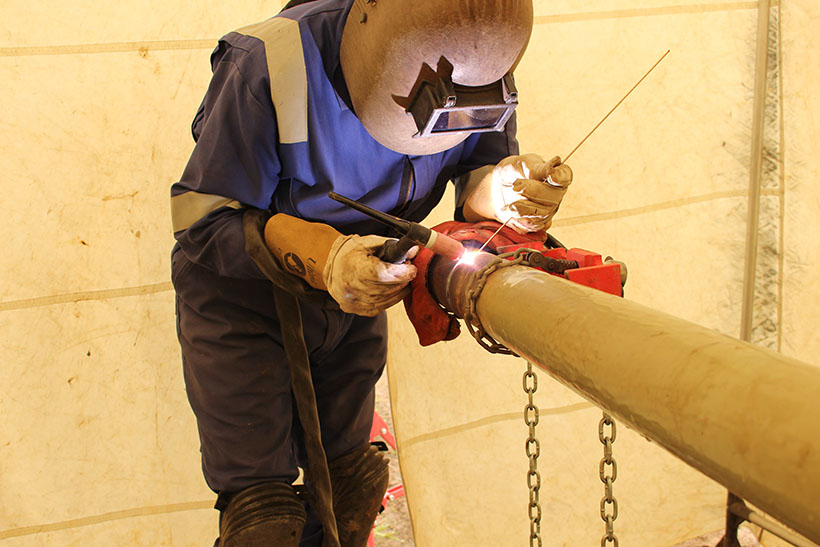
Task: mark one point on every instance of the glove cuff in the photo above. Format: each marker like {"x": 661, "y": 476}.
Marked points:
{"x": 329, "y": 271}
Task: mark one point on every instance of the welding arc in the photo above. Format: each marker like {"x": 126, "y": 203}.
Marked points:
{"x": 617, "y": 105}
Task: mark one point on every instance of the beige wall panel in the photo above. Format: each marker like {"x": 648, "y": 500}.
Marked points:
{"x": 686, "y": 260}
{"x": 86, "y": 22}
{"x": 91, "y": 147}
{"x": 460, "y": 506}
{"x": 801, "y": 109}
{"x": 94, "y": 412}
{"x": 683, "y": 133}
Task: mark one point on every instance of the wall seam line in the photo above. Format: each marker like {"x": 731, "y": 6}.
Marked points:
{"x": 103, "y": 294}
{"x": 509, "y": 416}
{"x": 106, "y": 517}
{"x": 681, "y": 202}
{"x": 684, "y": 9}
{"x": 142, "y": 48}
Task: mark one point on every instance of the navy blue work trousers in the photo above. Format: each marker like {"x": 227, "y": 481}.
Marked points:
{"x": 238, "y": 382}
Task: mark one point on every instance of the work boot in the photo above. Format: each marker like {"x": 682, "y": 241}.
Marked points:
{"x": 359, "y": 481}
{"x": 263, "y": 515}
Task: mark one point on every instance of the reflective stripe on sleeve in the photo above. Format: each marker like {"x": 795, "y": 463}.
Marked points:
{"x": 288, "y": 75}
{"x": 189, "y": 207}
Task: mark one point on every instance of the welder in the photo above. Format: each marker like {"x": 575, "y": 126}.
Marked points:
{"x": 383, "y": 101}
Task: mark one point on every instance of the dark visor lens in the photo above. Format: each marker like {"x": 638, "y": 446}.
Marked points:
{"x": 440, "y": 106}
{"x": 467, "y": 119}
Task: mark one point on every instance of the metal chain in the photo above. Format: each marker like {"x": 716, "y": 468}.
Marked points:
{"x": 533, "y": 449}
{"x": 530, "y": 381}
{"x": 608, "y": 468}
{"x": 608, "y": 471}
{"x": 519, "y": 256}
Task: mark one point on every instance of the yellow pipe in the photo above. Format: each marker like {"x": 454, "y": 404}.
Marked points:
{"x": 743, "y": 415}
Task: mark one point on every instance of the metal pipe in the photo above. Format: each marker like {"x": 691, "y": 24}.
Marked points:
{"x": 743, "y": 415}
{"x": 756, "y": 161}
{"x": 742, "y": 510}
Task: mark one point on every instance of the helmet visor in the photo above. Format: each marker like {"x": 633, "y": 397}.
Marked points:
{"x": 442, "y": 106}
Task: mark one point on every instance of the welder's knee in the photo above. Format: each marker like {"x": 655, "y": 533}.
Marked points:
{"x": 359, "y": 481}
{"x": 264, "y": 514}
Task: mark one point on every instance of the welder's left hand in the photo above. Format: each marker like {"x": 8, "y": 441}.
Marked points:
{"x": 526, "y": 191}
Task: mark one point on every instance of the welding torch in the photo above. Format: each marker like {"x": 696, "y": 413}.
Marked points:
{"x": 413, "y": 233}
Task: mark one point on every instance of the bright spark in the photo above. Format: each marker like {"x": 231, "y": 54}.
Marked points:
{"x": 468, "y": 258}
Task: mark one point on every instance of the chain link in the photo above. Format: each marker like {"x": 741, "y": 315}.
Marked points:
{"x": 533, "y": 449}
{"x": 608, "y": 472}
{"x": 519, "y": 256}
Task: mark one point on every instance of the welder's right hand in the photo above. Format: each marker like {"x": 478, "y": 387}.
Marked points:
{"x": 361, "y": 283}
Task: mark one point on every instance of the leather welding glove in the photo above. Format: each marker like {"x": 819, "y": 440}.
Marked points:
{"x": 361, "y": 283}
{"x": 527, "y": 191}
{"x": 344, "y": 266}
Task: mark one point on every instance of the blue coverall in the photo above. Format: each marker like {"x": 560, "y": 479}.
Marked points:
{"x": 235, "y": 371}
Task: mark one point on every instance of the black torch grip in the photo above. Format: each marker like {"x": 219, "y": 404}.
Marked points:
{"x": 395, "y": 250}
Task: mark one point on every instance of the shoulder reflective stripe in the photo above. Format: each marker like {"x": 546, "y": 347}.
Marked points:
{"x": 288, "y": 75}
{"x": 191, "y": 206}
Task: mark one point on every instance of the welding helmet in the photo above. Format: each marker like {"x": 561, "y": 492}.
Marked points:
{"x": 424, "y": 74}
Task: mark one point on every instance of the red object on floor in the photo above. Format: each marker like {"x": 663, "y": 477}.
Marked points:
{"x": 381, "y": 429}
